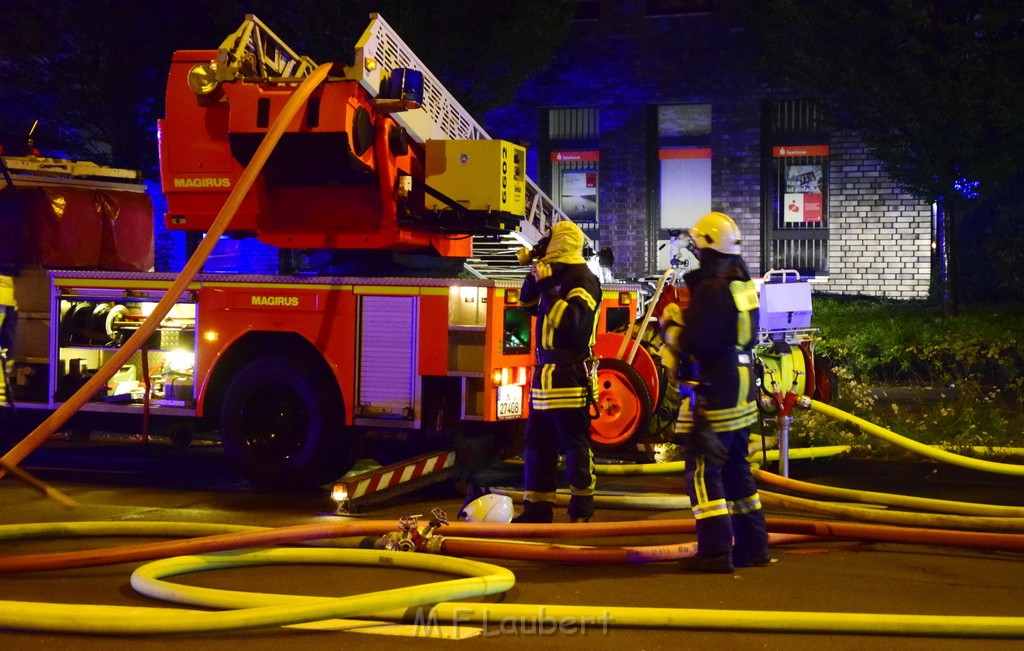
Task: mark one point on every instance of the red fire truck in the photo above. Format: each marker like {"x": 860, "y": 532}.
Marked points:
{"x": 408, "y": 330}
{"x": 413, "y": 332}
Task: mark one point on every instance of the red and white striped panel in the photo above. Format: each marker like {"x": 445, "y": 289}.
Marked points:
{"x": 391, "y": 476}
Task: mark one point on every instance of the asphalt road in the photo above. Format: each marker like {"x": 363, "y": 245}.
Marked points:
{"x": 130, "y": 481}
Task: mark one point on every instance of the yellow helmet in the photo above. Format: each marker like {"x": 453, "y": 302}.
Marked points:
{"x": 717, "y": 231}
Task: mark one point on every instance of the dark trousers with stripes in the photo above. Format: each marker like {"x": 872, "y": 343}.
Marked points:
{"x": 548, "y": 432}
{"x": 725, "y": 503}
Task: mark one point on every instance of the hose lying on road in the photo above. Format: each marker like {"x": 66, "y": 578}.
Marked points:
{"x": 147, "y": 581}
{"x": 310, "y": 532}
{"x": 628, "y": 501}
{"x": 481, "y": 579}
{"x": 679, "y": 467}
{"x": 889, "y": 499}
{"x": 511, "y": 532}
{"x": 259, "y": 610}
{"x": 907, "y": 518}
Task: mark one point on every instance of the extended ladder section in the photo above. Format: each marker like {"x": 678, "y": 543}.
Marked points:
{"x": 381, "y": 50}
{"x": 255, "y": 52}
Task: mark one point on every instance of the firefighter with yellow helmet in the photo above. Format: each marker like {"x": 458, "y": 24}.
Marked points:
{"x": 8, "y": 320}
{"x": 564, "y": 294}
{"x": 718, "y": 333}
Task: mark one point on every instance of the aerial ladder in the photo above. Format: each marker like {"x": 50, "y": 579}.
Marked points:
{"x": 255, "y": 52}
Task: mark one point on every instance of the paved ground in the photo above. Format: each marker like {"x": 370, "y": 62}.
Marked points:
{"x": 119, "y": 481}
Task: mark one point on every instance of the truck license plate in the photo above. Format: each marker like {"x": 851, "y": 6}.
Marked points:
{"x": 510, "y": 401}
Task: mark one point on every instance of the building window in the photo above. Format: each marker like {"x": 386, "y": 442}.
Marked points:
{"x": 795, "y": 208}
{"x": 572, "y": 165}
{"x": 681, "y": 171}
{"x": 677, "y": 7}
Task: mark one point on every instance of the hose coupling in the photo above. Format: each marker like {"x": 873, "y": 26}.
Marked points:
{"x": 804, "y": 401}
{"x": 411, "y": 538}
{"x": 403, "y": 540}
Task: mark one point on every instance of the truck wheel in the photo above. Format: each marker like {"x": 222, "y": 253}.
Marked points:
{"x": 623, "y": 407}
{"x": 282, "y": 424}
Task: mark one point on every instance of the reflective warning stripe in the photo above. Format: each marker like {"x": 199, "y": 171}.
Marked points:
{"x": 390, "y": 476}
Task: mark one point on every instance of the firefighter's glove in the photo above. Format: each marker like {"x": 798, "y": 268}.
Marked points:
{"x": 703, "y": 442}
{"x": 540, "y": 271}
{"x": 547, "y": 283}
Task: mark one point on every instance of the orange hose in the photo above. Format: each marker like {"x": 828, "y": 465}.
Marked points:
{"x": 508, "y": 549}
{"x": 304, "y": 533}
{"x": 567, "y": 530}
{"x": 47, "y": 428}
{"x": 200, "y": 545}
{"x": 910, "y": 535}
{"x": 308, "y": 532}
{"x": 511, "y": 550}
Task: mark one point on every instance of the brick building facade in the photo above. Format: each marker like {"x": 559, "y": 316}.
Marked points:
{"x": 646, "y": 97}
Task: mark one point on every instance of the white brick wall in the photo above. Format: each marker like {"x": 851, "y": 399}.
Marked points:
{"x": 880, "y": 235}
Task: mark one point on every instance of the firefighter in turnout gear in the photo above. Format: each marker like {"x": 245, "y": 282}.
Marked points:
{"x": 564, "y": 295}
{"x": 8, "y": 321}
{"x": 717, "y": 411}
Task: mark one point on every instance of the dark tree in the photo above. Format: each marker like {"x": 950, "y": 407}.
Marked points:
{"x": 933, "y": 87}
{"x": 93, "y": 73}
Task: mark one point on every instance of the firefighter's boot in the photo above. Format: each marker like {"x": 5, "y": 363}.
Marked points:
{"x": 708, "y": 564}
{"x": 535, "y": 512}
{"x": 581, "y": 508}
{"x": 750, "y": 536}
{"x": 714, "y": 547}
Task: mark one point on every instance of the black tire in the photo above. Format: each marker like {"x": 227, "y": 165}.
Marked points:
{"x": 181, "y": 436}
{"x": 623, "y": 407}
{"x": 282, "y": 424}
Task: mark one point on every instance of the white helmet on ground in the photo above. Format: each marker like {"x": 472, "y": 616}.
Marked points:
{"x": 489, "y": 508}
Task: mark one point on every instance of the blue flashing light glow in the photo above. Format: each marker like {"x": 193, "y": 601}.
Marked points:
{"x": 967, "y": 189}
{"x": 246, "y": 256}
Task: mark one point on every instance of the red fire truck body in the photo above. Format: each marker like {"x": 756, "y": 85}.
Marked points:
{"x": 295, "y": 372}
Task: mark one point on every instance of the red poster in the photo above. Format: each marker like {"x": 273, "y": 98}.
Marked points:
{"x": 813, "y": 207}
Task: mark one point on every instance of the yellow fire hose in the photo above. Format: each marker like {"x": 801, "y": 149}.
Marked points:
{"x": 936, "y": 520}
{"x": 889, "y": 499}
{"x": 257, "y": 610}
{"x": 910, "y": 444}
{"x": 630, "y": 501}
{"x": 48, "y": 427}
{"x": 481, "y": 579}
{"x": 679, "y": 467}
{"x": 147, "y": 581}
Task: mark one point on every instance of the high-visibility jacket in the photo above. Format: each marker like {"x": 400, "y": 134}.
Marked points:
{"x": 565, "y": 305}
{"x": 721, "y": 323}
{"x": 7, "y": 291}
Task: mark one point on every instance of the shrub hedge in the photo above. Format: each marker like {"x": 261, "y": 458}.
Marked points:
{"x": 974, "y": 362}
